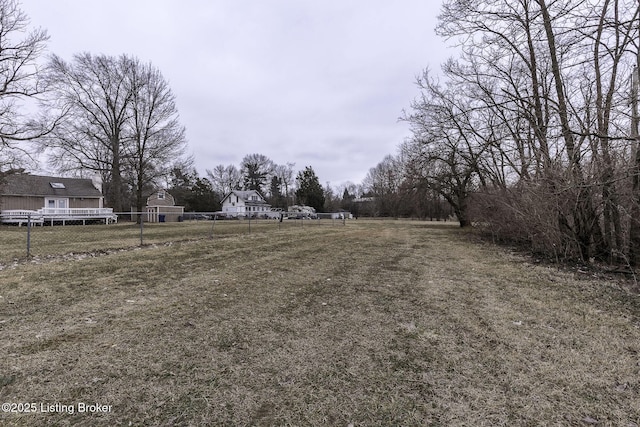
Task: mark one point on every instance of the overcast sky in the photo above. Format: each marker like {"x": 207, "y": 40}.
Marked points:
{"x": 317, "y": 83}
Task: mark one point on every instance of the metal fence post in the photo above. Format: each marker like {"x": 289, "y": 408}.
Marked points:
{"x": 28, "y": 235}
{"x": 213, "y": 224}
{"x": 141, "y": 229}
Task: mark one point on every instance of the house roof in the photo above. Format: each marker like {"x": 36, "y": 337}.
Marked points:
{"x": 246, "y": 196}
{"x": 166, "y": 200}
{"x": 45, "y": 186}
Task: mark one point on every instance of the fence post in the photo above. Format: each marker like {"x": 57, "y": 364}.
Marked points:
{"x": 215, "y": 217}
{"x": 249, "y": 223}
{"x": 28, "y": 235}
{"x": 141, "y": 229}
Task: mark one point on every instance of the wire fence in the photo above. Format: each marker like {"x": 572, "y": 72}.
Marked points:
{"x": 33, "y": 236}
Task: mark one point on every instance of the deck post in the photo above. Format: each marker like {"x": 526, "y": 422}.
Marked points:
{"x": 28, "y": 235}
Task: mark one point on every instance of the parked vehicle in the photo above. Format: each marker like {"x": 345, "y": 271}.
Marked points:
{"x": 195, "y": 216}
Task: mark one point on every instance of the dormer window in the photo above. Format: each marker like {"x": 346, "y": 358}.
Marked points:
{"x": 57, "y": 185}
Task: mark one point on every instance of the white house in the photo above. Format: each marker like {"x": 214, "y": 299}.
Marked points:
{"x": 245, "y": 203}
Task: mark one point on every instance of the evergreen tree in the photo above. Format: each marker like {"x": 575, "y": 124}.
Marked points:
{"x": 309, "y": 191}
{"x": 276, "y": 199}
{"x": 194, "y": 193}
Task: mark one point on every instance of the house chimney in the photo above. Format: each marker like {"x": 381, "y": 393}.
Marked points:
{"x": 96, "y": 180}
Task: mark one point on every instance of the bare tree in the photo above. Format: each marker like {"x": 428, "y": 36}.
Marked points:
{"x": 546, "y": 76}
{"x": 225, "y": 179}
{"x": 510, "y": 73}
{"x": 285, "y": 174}
{"x": 257, "y": 170}
{"x": 157, "y": 137}
{"x": 20, "y": 83}
{"x": 447, "y": 153}
{"x": 384, "y": 181}
{"x": 634, "y": 232}
{"x": 122, "y": 122}
{"x": 96, "y": 92}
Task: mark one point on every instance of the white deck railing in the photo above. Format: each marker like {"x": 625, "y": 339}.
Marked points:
{"x": 21, "y": 216}
{"x": 76, "y": 212}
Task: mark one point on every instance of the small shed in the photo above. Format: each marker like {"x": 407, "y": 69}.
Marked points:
{"x": 161, "y": 207}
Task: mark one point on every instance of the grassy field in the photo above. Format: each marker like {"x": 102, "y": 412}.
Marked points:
{"x": 46, "y": 242}
{"x": 373, "y": 323}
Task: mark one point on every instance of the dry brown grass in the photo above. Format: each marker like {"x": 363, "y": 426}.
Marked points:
{"x": 47, "y": 242}
{"x": 394, "y": 323}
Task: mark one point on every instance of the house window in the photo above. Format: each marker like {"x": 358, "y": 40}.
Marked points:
{"x": 57, "y": 185}
{"x": 161, "y": 195}
{"x": 57, "y": 203}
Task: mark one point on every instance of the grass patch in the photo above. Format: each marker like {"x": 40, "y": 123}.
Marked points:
{"x": 63, "y": 241}
{"x": 375, "y": 323}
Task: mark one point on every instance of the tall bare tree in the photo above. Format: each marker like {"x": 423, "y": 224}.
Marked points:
{"x": 383, "y": 181}
{"x": 285, "y": 175}
{"x": 546, "y": 77}
{"x": 257, "y": 170}
{"x": 157, "y": 139}
{"x": 121, "y": 121}
{"x": 20, "y": 83}
{"x": 225, "y": 179}
{"x": 448, "y": 150}
{"x": 96, "y": 92}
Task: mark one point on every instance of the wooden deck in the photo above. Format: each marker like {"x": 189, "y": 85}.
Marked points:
{"x": 52, "y": 216}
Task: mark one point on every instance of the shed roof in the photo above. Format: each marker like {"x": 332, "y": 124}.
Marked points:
{"x": 45, "y": 186}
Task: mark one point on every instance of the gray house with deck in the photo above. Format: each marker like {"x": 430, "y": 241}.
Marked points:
{"x": 51, "y": 199}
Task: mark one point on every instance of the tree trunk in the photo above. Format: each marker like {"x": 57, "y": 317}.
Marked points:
{"x": 634, "y": 228}
{"x": 116, "y": 177}
{"x": 583, "y": 209}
